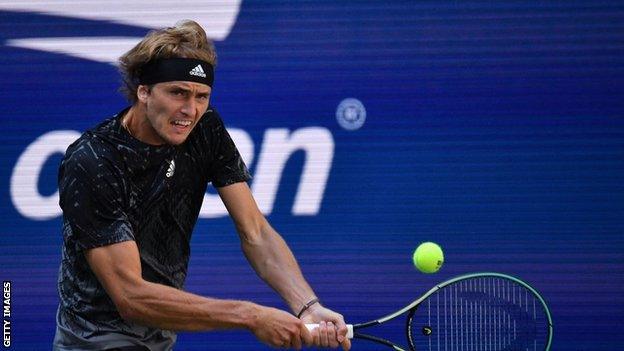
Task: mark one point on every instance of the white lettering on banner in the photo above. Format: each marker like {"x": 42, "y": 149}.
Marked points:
{"x": 277, "y": 147}
{"x": 24, "y": 190}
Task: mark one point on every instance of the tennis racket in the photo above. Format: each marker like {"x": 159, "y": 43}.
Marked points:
{"x": 479, "y": 311}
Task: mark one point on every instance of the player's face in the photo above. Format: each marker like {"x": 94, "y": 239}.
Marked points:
{"x": 174, "y": 108}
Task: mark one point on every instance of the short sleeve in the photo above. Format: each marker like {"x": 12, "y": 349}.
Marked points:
{"x": 92, "y": 198}
{"x": 226, "y": 166}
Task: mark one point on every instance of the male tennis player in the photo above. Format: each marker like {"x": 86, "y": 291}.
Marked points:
{"x": 131, "y": 189}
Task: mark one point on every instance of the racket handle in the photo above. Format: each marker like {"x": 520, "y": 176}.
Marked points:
{"x": 349, "y": 329}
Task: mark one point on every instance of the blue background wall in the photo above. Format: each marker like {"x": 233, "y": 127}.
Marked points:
{"x": 494, "y": 129}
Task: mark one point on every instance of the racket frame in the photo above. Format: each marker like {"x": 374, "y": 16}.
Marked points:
{"x": 413, "y": 306}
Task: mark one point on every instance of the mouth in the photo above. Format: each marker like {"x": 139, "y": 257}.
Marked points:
{"x": 181, "y": 125}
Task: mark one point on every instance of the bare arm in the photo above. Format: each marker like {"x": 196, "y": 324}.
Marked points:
{"x": 264, "y": 248}
{"x": 118, "y": 268}
{"x": 272, "y": 259}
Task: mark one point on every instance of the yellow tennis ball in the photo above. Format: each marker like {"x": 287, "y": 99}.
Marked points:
{"x": 428, "y": 257}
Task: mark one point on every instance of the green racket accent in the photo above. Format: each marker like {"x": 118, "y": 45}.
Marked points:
{"x": 480, "y": 300}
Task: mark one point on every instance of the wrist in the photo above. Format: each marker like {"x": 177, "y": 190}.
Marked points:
{"x": 251, "y": 313}
{"x": 312, "y": 311}
{"x": 308, "y": 306}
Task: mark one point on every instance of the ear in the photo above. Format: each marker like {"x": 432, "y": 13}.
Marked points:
{"x": 143, "y": 92}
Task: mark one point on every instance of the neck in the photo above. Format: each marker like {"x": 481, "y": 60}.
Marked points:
{"x": 136, "y": 123}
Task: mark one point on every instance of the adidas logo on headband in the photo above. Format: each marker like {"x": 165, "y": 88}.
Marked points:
{"x": 176, "y": 68}
{"x": 198, "y": 71}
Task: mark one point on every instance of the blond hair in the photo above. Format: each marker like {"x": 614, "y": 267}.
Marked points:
{"x": 187, "y": 39}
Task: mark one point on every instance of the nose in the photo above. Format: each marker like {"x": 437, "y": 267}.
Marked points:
{"x": 189, "y": 108}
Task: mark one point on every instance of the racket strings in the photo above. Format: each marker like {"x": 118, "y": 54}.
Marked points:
{"x": 484, "y": 313}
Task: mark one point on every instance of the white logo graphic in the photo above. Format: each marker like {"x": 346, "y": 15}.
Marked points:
{"x": 217, "y": 21}
{"x": 171, "y": 169}
{"x": 351, "y": 114}
{"x": 198, "y": 71}
{"x": 278, "y": 146}
{"x": 24, "y": 190}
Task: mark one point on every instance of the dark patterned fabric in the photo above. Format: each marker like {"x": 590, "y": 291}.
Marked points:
{"x": 114, "y": 188}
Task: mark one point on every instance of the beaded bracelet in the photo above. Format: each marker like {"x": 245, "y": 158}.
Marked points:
{"x": 307, "y": 305}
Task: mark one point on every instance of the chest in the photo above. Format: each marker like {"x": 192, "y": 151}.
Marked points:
{"x": 167, "y": 189}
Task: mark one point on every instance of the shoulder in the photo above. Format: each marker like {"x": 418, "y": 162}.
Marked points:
{"x": 88, "y": 151}
{"x": 92, "y": 153}
{"x": 211, "y": 119}
{"x": 209, "y": 129}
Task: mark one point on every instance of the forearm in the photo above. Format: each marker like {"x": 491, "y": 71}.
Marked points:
{"x": 275, "y": 263}
{"x": 164, "y": 307}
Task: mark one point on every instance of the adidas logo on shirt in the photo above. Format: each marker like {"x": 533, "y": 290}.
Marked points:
{"x": 198, "y": 71}
{"x": 171, "y": 169}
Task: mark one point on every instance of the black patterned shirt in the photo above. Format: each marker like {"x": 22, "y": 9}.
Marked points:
{"x": 115, "y": 188}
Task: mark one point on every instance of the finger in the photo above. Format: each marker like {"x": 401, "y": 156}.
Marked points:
{"x": 341, "y": 333}
{"x": 342, "y": 330}
{"x": 316, "y": 336}
{"x": 323, "y": 334}
{"x": 346, "y": 344}
{"x": 284, "y": 344}
{"x": 331, "y": 335}
{"x": 306, "y": 335}
{"x": 284, "y": 339}
{"x": 295, "y": 342}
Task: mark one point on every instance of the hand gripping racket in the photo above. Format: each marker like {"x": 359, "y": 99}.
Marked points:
{"x": 479, "y": 311}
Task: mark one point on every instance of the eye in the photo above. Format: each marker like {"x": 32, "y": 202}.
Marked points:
{"x": 178, "y": 92}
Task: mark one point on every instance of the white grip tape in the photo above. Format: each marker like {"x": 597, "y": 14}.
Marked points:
{"x": 349, "y": 329}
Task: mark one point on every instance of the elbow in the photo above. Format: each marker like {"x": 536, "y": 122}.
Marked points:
{"x": 129, "y": 302}
{"x": 128, "y": 310}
